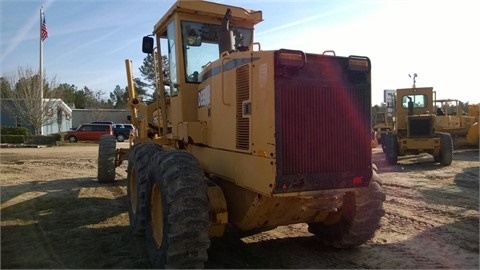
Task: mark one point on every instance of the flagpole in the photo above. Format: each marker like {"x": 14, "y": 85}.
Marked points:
{"x": 41, "y": 70}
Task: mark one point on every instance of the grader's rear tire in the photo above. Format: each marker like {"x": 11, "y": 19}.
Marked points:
{"x": 356, "y": 221}
{"x": 137, "y": 176}
{"x": 446, "y": 149}
{"x": 177, "y": 212}
{"x": 106, "y": 159}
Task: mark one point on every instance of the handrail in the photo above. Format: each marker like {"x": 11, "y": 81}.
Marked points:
{"x": 224, "y": 58}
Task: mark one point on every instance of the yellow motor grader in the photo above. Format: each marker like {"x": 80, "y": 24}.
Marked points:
{"x": 245, "y": 137}
{"x": 414, "y": 129}
{"x": 452, "y": 119}
{"x": 382, "y": 124}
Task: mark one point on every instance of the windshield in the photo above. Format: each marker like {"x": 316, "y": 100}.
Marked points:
{"x": 200, "y": 44}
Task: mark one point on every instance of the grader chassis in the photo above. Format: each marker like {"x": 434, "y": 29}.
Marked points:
{"x": 244, "y": 137}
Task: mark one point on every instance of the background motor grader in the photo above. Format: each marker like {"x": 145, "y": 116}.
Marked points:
{"x": 452, "y": 119}
{"x": 245, "y": 137}
{"x": 473, "y": 137}
{"x": 414, "y": 129}
{"x": 382, "y": 124}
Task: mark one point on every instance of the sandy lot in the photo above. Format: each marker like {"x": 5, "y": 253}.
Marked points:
{"x": 54, "y": 214}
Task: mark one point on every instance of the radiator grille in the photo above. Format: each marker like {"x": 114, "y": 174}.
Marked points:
{"x": 322, "y": 127}
{"x": 420, "y": 127}
{"x": 321, "y": 131}
{"x": 243, "y": 94}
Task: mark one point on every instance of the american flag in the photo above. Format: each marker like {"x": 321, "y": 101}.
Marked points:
{"x": 44, "y": 29}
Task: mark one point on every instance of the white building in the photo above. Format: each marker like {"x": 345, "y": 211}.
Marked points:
{"x": 60, "y": 117}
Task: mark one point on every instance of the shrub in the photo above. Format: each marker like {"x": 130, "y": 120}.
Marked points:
{"x": 10, "y": 130}
{"x": 40, "y": 140}
{"x": 12, "y": 139}
{"x": 57, "y": 136}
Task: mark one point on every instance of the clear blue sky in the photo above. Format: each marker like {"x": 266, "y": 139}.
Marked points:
{"x": 90, "y": 39}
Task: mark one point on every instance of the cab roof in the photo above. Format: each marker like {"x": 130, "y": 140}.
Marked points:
{"x": 210, "y": 9}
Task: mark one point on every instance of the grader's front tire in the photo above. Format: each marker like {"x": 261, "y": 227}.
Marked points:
{"x": 356, "y": 221}
{"x": 106, "y": 159}
{"x": 137, "y": 176}
{"x": 177, "y": 212}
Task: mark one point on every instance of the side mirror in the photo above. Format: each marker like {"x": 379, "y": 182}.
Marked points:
{"x": 147, "y": 44}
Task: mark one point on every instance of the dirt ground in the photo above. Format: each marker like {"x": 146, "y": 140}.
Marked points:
{"x": 54, "y": 214}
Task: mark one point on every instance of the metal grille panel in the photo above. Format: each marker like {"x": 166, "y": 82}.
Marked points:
{"x": 243, "y": 94}
{"x": 323, "y": 135}
{"x": 420, "y": 127}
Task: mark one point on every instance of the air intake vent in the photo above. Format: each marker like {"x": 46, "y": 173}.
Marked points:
{"x": 243, "y": 94}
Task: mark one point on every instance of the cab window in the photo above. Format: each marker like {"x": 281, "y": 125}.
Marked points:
{"x": 200, "y": 46}
{"x": 419, "y": 101}
{"x": 172, "y": 56}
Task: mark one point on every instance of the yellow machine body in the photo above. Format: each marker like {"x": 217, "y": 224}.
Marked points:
{"x": 260, "y": 128}
{"x": 415, "y": 127}
{"x": 227, "y": 121}
{"x": 382, "y": 124}
{"x": 222, "y": 108}
{"x": 452, "y": 119}
{"x": 473, "y": 132}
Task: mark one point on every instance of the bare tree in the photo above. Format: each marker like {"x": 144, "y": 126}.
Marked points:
{"x": 21, "y": 98}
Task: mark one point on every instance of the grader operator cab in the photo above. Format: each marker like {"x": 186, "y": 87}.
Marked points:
{"x": 414, "y": 128}
{"x": 246, "y": 137}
